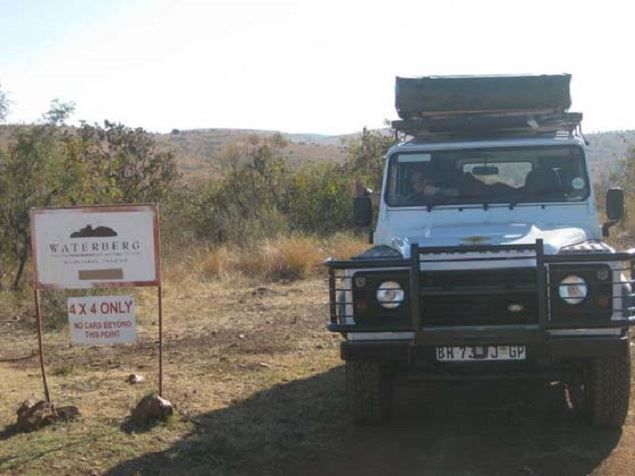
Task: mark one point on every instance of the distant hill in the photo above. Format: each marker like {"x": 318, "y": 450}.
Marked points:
{"x": 606, "y": 151}
{"x": 200, "y": 152}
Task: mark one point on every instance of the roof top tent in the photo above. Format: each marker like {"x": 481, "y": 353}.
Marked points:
{"x": 468, "y": 106}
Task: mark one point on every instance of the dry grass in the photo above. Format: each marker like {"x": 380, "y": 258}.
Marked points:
{"x": 246, "y": 354}
{"x": 344, "y": 245}
{"x": 224, "y": 346}
{"x": 259, "y": 389}
{"x": 286, "y": 258}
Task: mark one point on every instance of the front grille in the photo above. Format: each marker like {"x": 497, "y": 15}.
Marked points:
{"x": 479, "y": 297}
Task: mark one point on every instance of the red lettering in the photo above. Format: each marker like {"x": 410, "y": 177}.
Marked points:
{"x": 109, "y": 334}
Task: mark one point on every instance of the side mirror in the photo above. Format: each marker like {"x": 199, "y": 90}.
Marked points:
{"x": 362, "y": 212}
{"x": 614, "y": 208}
{"x": 615, "y": 204}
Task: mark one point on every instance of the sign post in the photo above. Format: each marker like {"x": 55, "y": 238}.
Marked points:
{"x": 38, "y": 317}
{"x": 110, "y": 246}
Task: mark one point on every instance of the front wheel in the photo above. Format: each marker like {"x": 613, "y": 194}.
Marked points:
{"x": 609, "y": 388}
{"x": 369, "y": 389}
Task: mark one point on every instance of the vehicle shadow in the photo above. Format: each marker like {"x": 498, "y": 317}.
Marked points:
{"x": 301, "y": 427}
{"x": 524, "y": 428}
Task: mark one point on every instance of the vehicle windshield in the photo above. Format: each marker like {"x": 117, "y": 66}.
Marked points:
{"x": 484, "y": 176}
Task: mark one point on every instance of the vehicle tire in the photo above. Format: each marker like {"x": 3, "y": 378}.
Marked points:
{"x": 609, "y": 388}
{"x": 369, "y": 389}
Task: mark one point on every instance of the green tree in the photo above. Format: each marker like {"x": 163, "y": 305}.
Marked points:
{"x": 4, "y": 105}
{"x": 366, "y": 154}
{"x": 59, "y": 112}
{"x": 260, "y": 195}
{"x": 29, "y": 177}
{"x": 48, "y": 165}
{"x": 625, "y": 179}
{"x": 320, "y": 200}
{"x": 126, "y": 162}
{"x": 250, "y": 201}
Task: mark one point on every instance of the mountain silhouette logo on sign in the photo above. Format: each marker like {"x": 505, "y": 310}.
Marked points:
{"x": 89, "y": 232}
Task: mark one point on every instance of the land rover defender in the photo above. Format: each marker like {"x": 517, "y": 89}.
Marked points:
{"x": 487, "y": 257}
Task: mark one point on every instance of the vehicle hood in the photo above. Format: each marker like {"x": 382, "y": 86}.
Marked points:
{"x": 489, "y": 234}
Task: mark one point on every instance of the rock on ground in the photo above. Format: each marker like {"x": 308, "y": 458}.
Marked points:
{"x": 152, "y": 408}
{"x": 33, "y": 415}
{"x": 135, "y": 378}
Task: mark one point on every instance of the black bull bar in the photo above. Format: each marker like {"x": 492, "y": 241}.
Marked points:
{"x": 341, "y": 275}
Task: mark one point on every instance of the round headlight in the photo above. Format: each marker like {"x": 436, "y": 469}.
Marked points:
{"x": 573, "y": 289}
{"x": 390, "y": 294}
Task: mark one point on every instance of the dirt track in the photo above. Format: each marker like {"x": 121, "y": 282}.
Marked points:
{"x": 260, "y": 390}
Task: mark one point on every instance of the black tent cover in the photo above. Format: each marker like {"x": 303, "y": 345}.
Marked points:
{"x": 431, "y": 95}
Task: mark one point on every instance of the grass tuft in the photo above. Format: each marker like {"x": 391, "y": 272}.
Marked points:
{"x": 286, "y": 258}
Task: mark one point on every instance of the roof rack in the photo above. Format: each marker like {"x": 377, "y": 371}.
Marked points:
{"x": 490, "y": 123}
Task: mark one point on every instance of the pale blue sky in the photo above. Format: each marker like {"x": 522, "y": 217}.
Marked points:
{"x": 321, "y": 66}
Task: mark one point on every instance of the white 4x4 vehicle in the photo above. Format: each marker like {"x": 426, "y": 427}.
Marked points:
{"x": 488, "y": 259}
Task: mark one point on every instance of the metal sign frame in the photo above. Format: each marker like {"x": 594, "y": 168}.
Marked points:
{"x": 38, "y": 286}
{"x": 98, "y": 209}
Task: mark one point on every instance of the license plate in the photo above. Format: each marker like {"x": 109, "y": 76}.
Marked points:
{"x": 481, "y": 353}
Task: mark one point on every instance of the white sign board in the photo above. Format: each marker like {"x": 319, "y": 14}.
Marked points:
{"x": 88, "y": 247}
{"x": 102, "y": 320}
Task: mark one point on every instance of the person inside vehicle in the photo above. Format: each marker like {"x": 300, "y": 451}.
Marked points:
{"x": 423, "y": 186}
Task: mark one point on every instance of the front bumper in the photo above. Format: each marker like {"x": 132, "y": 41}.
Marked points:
{"x": 547, "y": 351}
{"x": 559, "y": 358}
